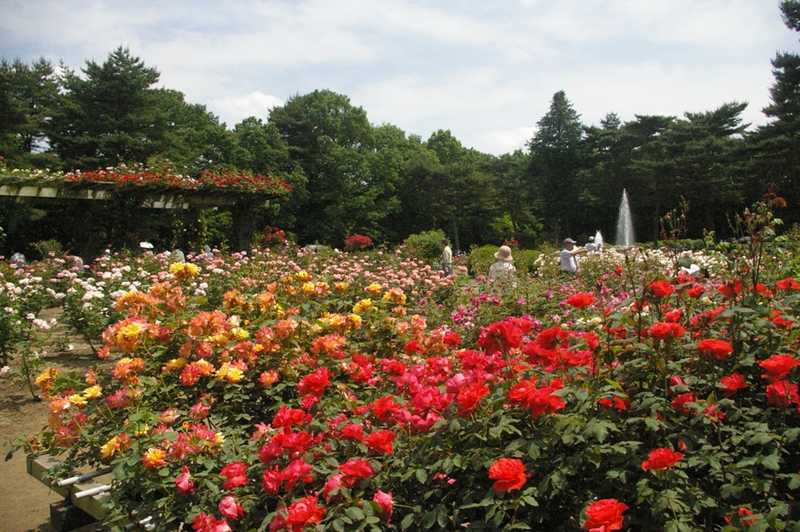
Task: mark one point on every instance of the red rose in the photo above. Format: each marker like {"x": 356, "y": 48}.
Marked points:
{"x": 674, "y": 315}
{"x": 681, "y": 400}
{"x": 733, "y": 383}
{"x": 385, "y": 503}
{"x": 296, "y": 471}
{"x": 661, "y": 458}
{"x": 353, "y": 431}
{"x": 782, "y": 394}
{"x": 301, "y": 512}
{"x": 730, "y": 289}
{"x": 789, "y": 283}
{"x": 762, "y": 290}
{"x": 604, "y": 515}
{"x": 538, "y": 400}
{"x": 381, "y": 441}
{"x": 580, "y": 300}
{"x": 452, "y": 339}
{"x": 663, "y": 330}
{"x": 616, "y": 402}
{"x": 208, "y": 523}
{"x": 661, "y": 288}
{"x": 714, "y": 413}
{"x": 778, "y": 367}
{"x": 235, "y": 475}
{"x": 183, "y": 482}
{"x": 696, "y": 291}
{"x": 315, "y": 383}
{"x": 355, "y": 469}
{"x": 469, "y": 396}
{"x": 287, "y": 417}
{"x": 271, "y": 480}
{"x": 777, "y": 319}
{"x": 334, "y": 483}
{"x": 508, "y": 474}
{"x": 230, "y": 507}
{"x": 719, "y": 349}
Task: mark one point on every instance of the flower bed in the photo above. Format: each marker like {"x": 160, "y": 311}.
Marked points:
{"x": 223, "y": 181}
{"x": 286, "y": 390}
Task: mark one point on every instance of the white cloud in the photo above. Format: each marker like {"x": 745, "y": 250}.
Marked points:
{"x": 484, "y": 70}
{"x": 235, "y": 109}
{"x": 501, "y": 141}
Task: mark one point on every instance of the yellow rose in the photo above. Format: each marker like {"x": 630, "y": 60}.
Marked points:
{"x": 93, "y": 392}
{"x": 341, "y": 286}
{"x": 364, "y": 305}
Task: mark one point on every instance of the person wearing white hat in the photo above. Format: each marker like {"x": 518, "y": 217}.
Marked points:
{"x": 569, "y": 264}
{"x": 504, "y": 266}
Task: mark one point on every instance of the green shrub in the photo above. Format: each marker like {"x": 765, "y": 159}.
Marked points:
{"x": 482, "y": 257}
{"x": 427, "y": 245}
{"x": 525, "y": 260}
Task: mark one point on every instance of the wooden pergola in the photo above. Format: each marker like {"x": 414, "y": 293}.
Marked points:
{"x": 240, "y": 203}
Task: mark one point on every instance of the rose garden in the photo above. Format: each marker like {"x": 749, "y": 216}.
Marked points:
{"x": 308, "y": 320}
{"x": 287, "y": 388}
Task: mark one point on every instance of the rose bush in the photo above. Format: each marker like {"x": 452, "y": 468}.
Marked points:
{"x": 290, "y": 390}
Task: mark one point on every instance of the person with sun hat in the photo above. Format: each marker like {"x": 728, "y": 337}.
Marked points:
{"x": 503, "y": 266}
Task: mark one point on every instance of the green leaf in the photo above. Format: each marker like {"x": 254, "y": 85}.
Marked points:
{"x": 599, "y": 429}
{"x": 533, "y": 451}
{"x": 771, "y": 462}
{"x": 441, "y": 515}
{"x": 407, "y": 521}
{"x": 355, "y": 513}
{"x": 422, "y": 475}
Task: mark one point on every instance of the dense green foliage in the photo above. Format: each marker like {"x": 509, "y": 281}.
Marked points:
{"x": 354, "y": 177}
{"x": 427, "y": 245}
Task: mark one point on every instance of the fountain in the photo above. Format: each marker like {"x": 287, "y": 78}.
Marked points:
{"x": 598, "y": 240}
{"x": 625, "y": 235}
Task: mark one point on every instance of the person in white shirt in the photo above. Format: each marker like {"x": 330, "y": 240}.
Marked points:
{"x": 567, "y": 257}
{"x": 447, "y": 259}
{"x": 504, "y": 266}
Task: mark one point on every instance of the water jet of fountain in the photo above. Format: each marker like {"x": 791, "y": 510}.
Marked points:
{"x": 625, "y": 235}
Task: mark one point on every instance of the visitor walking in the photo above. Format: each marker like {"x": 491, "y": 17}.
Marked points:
{"x": 503, "y": 268}
{"x": 447, "y": 259}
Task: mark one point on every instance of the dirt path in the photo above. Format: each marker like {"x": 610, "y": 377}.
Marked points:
{"x": 24, "y": 501}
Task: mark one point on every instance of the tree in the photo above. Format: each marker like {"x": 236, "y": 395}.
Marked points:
{"x": 512, "y": 183}
{"x": 28, "y": 96}
{"x": 260, "y": 147}
{"x": 329, "y": 139}
{"x": 775, "y": 147}
{"x": 110, "y": 115}
{"x": 555, "y": 162}
{"x": 699, "y": 158}
{"x": 189, "y": 137}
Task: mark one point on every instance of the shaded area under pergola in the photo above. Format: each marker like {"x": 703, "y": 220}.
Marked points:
{"x": 98, "y": 215}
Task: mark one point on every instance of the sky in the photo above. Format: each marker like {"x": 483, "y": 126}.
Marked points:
{"x": 486, "y": 70}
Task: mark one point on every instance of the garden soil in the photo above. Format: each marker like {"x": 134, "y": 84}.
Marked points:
{"x": 24, "y": 501}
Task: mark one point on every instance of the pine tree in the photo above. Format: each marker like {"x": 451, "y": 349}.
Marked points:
{"x": 776, "y": 146}
{"x": 555, "y": 162}
{"x": 110, "y": 115}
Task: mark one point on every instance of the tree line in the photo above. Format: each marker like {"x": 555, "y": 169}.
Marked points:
{"x": 351, "y": 176}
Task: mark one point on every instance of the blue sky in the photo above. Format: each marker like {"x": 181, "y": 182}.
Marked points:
{"x": 485, "y": 70}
